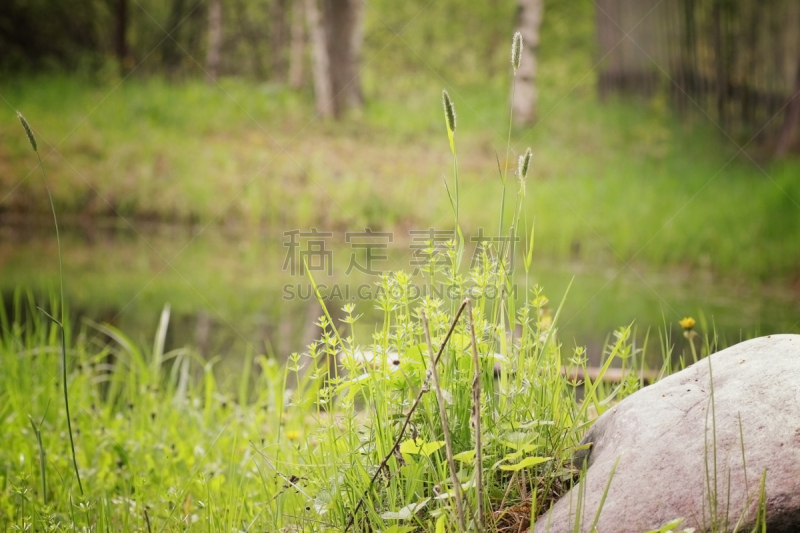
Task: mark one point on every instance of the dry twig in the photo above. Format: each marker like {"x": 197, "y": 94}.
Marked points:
{"x": 422, "y": 391}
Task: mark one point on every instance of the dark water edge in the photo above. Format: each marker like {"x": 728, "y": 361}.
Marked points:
{"x": 229, "y": 291}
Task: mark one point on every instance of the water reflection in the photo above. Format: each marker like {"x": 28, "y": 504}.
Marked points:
{"x": 231, "y": 290}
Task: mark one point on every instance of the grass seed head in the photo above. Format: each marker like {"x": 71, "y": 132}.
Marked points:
{"x": 449, "y": 111}
{"x": 524, "y": 163}
{"x": 516, "y": 51}
{"x": 28, "y": 131}
{"x": 522, "y": 168}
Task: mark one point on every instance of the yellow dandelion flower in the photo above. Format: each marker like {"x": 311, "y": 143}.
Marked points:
{"x": 292, "y": 434}
{"x": 687, "y": 323}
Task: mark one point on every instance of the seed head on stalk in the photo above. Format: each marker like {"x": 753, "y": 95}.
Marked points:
{"x": 516, "y": 51}
{"x": 28, "y": 131}
{"x": 450, "y": 118}
{"x": 522, "y": 168}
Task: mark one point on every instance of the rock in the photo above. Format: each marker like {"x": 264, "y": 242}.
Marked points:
{"x": 663, "y": 438}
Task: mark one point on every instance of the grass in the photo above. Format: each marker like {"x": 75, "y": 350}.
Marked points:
{"x": 139, "y": 459}
{"x": 161, "y": 442}
{"x": 164, "y": 444}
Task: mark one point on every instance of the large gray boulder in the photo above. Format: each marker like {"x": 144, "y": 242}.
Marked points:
{"x": 662, "y": 440}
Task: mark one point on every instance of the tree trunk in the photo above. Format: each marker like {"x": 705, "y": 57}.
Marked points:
{"x": 791, "y": 119}
{"x": 343, "y": 22}
{"x": 525, "y": 95}
{"x": 171, "y": 54}
{"x": 323, "y": 92}
{"x": 214, "y": 39}
{"x": 278, "y": 39}
{"x": 120, "y": 39}
{"x": 297, "y": 47}
{"x": 719, "y": 65}
{"x": 253, "y": 38}
{"x": 356, "y": 95}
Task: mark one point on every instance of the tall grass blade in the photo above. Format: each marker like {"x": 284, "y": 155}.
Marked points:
{"x": 42, "y": 457}
{"x": 603, "y": 498}
{"x": 62, "y": 322}
{"x": 158, "y": 343}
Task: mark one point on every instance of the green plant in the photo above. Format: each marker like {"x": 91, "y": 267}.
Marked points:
{"x": 504, "y": 419}
{"x": 62, "y": 303}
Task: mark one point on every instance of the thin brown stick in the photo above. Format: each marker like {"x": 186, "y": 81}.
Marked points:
{"x": 476, "y": 417}
{"x": 448, "y": 442}
{"x": 422, "y": 391}
{"x": 147, "y": 521}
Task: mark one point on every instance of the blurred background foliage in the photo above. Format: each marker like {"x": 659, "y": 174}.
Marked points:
{"x": 176, "y": 175}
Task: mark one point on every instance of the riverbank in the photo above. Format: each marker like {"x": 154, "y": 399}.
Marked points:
{"x": 618, "y": 182}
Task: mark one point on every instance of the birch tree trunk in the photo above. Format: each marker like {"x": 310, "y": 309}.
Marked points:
{"x": 297, "y": 47}
{"x": 214, "y": 39}
{"x": 529, "y": 20}
{"x": 343, "y": 21}
{"x": 323, "y": 92}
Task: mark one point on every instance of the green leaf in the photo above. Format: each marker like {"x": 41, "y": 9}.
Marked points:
{"x": 529, "y": 251}
{"x": 449, "y": 195}
{"x": 465, "y": 457}
{"x": 397, "y": 528}
{"x": 525, "y": 463}
{"x": 459, "y": 341}
{"x": 519, "y": 440}
{"x": 440, "y": 524}
{"x": 499, "y": 170}
{"x": 418, "y": 353}
{"x": 469, "y": 485}
{"x": 351, "y": 382}
{"x": 460, "y": 250}
{"x": 669, "y": 526}
{"x": 406, "y": 512}
{"x": 420, "y": 447}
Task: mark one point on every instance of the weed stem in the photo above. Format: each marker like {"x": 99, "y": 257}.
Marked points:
{"x": 62, "y": 324}
{"x": 445, "y": 429}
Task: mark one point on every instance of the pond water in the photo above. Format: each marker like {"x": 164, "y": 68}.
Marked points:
{"x": 233, "y": 290}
